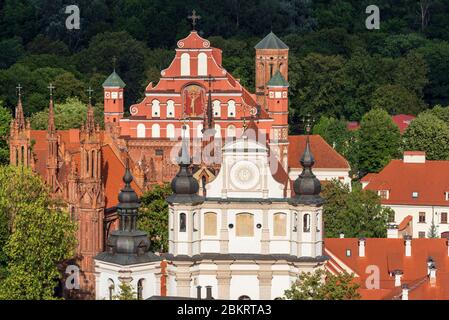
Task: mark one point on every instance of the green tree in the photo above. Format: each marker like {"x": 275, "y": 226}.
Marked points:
{"x": 153, "y": 216}
{"x": 378, "y": 141}
{"x": 355, "y": 213}
{"x": 70, "y": 114}
{"x": 430, "y": 134}
{"x": 5, "y": 120}
{"x": 126, "y": 292}
{"x": 41, "y": 236}
{"x": 334, "y": 132}
{"x": 433, "y": 231}
{"x": 396, "y": 99}
{"x": 323, "y": 285}
{"x": 440, "y": 112}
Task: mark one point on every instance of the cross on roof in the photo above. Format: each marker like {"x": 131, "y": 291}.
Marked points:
{"x": 210, "y": 80}
{"x": 308, "y": 121}
{"x": 114, "y": 61}
{"x": 90, "y": 94}
{"x": 19, "y": 90}
{"x": 194, "y": 18}
{"x": 51, "y": 87}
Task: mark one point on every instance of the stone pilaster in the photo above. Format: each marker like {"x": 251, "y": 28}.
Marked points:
{"x": 265, "y": 276}
{"x": 224, "y": 280}
{"x": 265, "y": 241}
{"x": 183, "y": 278}
{"x": 224, "y": 231}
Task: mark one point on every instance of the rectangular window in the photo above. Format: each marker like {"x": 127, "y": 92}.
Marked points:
{"x": 245, "y": 225}
{"x": 415, "y": 194}
{"x": 280, "y": 224}
{"x": 443, "y": 217}
{"x": 421, "y": 234}
{"x": 210, "y": 224}
{"x": 159, "y": 152}
{"x": 422, "y": 217}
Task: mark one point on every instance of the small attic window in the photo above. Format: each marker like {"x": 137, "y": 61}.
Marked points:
{"x": 415, "y": 194}
{"x": 446, "y": 194}
{"x": 348, "y": 252}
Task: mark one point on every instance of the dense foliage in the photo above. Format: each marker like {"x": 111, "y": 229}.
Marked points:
{"x": 153, "y": 216}
{"x": 338, "y": 68}
{"x": 355, "y": 213}
{"x": 323, "y": 285}
{"x": 35, "y": 236}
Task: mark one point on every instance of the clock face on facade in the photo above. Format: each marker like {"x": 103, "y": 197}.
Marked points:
{"x": 245, "y": 175}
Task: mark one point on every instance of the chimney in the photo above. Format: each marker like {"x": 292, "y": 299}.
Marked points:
{"x": 392, "y": 231}
{"x": 405, "y": 292}
{"x": 362, "y": 247}
{"x": 414, "y": 157}
{"x": 408, "y": 245}
{"x": 209, "y": 293}
{"x": 397, "y": 277}
{"x": 342, "y": 235}
{"x": 198, "y": 292}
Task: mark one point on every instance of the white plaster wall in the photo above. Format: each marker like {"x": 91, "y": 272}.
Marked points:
{"x": 279, "y": 284}
{"x": 245, "y": 244}
{"x": 244, "y": 285}
{"x": 402, "y": 211}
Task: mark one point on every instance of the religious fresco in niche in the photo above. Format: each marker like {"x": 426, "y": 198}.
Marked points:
{"x": 193, "y": 101}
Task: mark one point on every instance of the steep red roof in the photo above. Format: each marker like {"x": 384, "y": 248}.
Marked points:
{"x": 429, "y": 179}
{"x": 389, "y": 255}
{"x": 405, "y": 222}
{"x": 325, "y": 156}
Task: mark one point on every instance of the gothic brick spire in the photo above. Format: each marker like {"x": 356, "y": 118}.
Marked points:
{"x": 20, "y": 118}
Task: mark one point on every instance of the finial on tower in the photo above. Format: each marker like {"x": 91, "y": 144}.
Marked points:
{"x": 308, "y": 121}
{"x": 89, "y": 91}
{"x": 194, "y": 19}
{"x": 114, "y": 61}
{"x": 19, "y": 90}
{"x": 51, "y": 87}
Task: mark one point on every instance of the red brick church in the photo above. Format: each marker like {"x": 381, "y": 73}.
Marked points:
{"x": 196, "y": 98}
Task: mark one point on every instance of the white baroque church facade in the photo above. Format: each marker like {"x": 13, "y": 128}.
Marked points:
{"x": 248, "y": 236}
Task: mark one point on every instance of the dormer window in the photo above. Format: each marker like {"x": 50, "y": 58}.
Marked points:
{"x": 415, "y": 194}
{"x": 383, "y": 194}
{"x": 348, "y": 252}
{"x": 446, "y": 195}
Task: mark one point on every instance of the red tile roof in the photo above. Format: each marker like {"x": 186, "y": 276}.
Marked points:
{"x": 405, "y": 222}
{"x": 389, "y": 255}
{"x": 401, "y": 120}
{"x": 325, "y": 156}
{"x": 429, "y": 179}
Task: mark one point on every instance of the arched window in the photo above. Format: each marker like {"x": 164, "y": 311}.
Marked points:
{"x": 155, "y": 131}
{"x": 244, "y": 225}
{"x": 155, "y": 109}
{"x": 231, "y": 108}
{"x": 194, "y": 222}
{"x": 210, "y": 224}
{"x": 182, "y": 222}
{"x": 306, "y": 223}
{"x": 185, "y": 64}
{"x": 216, "y": 107}
{"x": 111, "y": 288}
{"x": 141, "y": 130}
{"x": 140, "y": 284}
{"x": 244, "y": 297}
{"x": 170, "y": 130}
{"x": 231, "y": 131}
{"x": 92, "y": 159}
{"x": 217, "y": 131}
{"x": 202, "y": 64}
{"x": 170, "y": 109}
{"x": 280, "y": 224}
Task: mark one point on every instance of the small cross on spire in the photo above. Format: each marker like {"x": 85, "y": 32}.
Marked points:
{"x": 209, "y": 81}
{"x": 19, "y": 90}
{"x": 51, "y": 87}
{"x": 90, "y": 94}
{"x": 194, "y": 18}
{"x": 308, "y": 121}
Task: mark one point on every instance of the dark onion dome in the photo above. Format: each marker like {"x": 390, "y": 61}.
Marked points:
{"x": 307, "y": 187}
{"x": 127, "y": 245}
{"x": 184, "y": 186}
